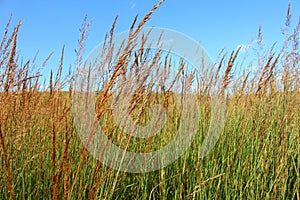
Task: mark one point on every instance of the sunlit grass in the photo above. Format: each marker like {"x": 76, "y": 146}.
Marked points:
{"x": 256, "y": 156}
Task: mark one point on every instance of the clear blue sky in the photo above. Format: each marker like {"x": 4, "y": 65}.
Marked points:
{"x": 48, "y": 25}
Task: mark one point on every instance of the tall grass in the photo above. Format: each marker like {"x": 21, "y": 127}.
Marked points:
{"x": 256, "y": 157}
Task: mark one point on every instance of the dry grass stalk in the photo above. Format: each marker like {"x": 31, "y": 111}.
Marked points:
{"x": 227, "y": 75}
{"x": 11, "y": 66}
{"x": 203, "y": 183}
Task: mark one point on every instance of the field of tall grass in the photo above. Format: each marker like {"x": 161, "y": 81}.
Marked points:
{"x": 256, "y": 156}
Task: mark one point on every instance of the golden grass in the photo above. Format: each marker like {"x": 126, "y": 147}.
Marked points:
{"x": 255, "y": 158}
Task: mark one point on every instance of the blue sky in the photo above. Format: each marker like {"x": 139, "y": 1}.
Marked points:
{"x": 48, "y": 25}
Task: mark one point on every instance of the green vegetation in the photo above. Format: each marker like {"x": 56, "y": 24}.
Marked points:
{"x": 256, "y": 157}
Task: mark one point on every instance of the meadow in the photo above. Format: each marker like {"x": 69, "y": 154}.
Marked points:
{"x": 256, "y": 156}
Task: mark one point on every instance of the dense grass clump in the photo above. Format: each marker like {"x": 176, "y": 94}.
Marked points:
{"x": 256, "y": 156}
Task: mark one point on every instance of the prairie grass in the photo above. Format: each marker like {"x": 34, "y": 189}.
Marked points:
{"x": 256, "y": 157}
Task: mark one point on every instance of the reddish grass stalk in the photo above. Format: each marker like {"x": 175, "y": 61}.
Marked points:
{"x": 11, "y": 65}
{"x": 58, "y": 176}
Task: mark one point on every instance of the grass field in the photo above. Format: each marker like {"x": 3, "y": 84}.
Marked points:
{"x": 256, "y": 156}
